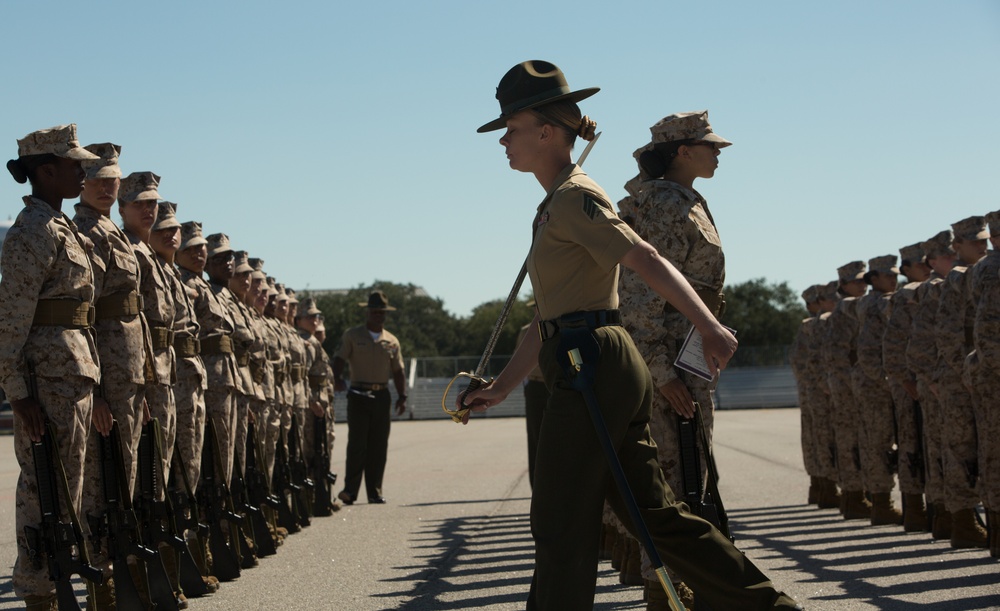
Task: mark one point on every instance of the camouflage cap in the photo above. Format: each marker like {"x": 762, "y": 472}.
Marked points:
{"x": 939, "y": 245}
{"x": 811, "y": 294}
{"x": 191, "y": 235}
{"x": 911, "y": 254}
{"x": 828, "y": 291}
{"x": 307, "y": 307}
{"x": 972, "y": 228}
{"x": 686, "y": 126}
{"x": 218, "y": 243}
{"x": 883, "y": 264}
{"x": 291, "y": 296}
{"x": 269, "y": 282}
{"x": 258, "y": 268}
{"x": 241, "y": 265}
{"x": 59, "y": 141}
{"x": 106, "y": 165}
{"x": 166, "y": 216}
{"x": 282, "y": 296}
{"x": 139, "y": 186}
{"x": 855, "y": 270}
{"x": 993, "y": 220}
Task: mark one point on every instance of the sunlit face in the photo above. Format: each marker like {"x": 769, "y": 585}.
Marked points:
{"x": 240, "y": 283}
{"x": 164, "y": 242}
{"x": 970, "y": 251}
{"x": 522, "y": 141}
{"x": 855, "y": 288}
{"x": 193, "y": 258}
{"x": 220, "y": 267}
{"x": 309, "y": 323}
{"x": 703, "y": 157}
{"x": 942, "y": 264}
{"x": 281, "y": 309}
{"x": 139, "y": 216}
{"x": 885, "y": 282}
{"x": 916, "y": 272}
{"x": 100, "y": 193}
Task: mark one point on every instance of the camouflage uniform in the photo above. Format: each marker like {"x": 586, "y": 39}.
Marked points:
{"x": 44, "y": 258}
{"x": 823, "y": 436}
{"x": 798, "y": 358}
{"x": 985, "y": 373}
{"x": 315, "y": 381}
{"x": 245, "y": 343}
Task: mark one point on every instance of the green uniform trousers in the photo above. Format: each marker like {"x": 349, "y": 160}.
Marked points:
{"x": 368, "y": 421}
{"x": 536, "y": 395}
{"x": 572, "y": 479}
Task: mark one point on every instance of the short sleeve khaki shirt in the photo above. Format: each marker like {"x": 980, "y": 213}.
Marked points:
{"x": 372, "y": 360}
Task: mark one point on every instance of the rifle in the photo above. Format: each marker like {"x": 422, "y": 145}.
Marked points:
{"x": 54, "y": 538}
{"x": 214, "y": 497}
{"x": 712, "y": 496}
{"x": 321, "y": 475}
{"x": 285, "y": 489}
{"x": 300, "y": 475}
{"x": 119, "y": 524}
{"x": 151, "y": 514}
{"x": 187, "y": 517}
{"x": 242, "y": 507}
{"x": 258, "y": 496}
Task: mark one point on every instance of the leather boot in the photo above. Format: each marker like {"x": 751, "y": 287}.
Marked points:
{"x": 857, "y": 506}
{"x": 41, "y": 603}
{"x": 104, "y": 596}
{"x": 169, "y": 557}
{"x": 914, "y": 514}
{"x": 966, "y": 531}
{"x": 138, "y": 572}
{"x": 829, "y": 498}
{"x": 814, "y": 489}
{"x": 843, "y": 502}
{"x": 941, "y": 529}
{"x": 618, "y": 551}
{"x": 884, "y": 513}
{"x": 631, "y": 574}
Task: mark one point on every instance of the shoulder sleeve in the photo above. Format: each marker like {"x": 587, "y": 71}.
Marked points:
{"x": 587, "y": 219}
{"x": 662, "y": 220}
{"x": 346, "y": 346}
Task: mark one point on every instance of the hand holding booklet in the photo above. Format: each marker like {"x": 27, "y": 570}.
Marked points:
{"x": 691, "y": 357}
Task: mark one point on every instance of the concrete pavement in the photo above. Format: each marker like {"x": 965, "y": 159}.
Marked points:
{"x": 455, "y": 533}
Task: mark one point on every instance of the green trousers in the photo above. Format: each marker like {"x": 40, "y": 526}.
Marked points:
{"x": 368, "y": 421}
{"x": 572, "y": 480}
{"x": 536, "y": 396}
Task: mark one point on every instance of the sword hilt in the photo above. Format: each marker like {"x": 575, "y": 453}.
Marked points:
{"x": 475, "y": 382}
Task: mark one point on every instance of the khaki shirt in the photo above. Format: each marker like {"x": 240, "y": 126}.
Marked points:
{"x": 214, "y": 319}
{"x": 157, "y": 304}
{"x": 121, "y": 342}
{"x": 578, "y": 242}
{"x": 43, "y": 258}
{"x": 372, "y": 361}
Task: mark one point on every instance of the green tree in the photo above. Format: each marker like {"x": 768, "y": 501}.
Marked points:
{"x": 763, "y": 314}
{"x": 477, "y": 328}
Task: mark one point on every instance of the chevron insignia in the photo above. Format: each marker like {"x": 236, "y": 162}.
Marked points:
{"x": 590, "y": 206}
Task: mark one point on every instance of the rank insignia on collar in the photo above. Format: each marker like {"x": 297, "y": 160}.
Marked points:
{"x": 590, "y": 206}
{"x": 542, "y": 220}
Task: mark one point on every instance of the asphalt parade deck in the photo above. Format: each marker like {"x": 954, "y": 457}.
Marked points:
{"x": 455, "y": 533}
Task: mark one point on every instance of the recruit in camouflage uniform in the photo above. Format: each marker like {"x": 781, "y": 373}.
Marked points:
{"x": 953, "y": 334}
{"x": 984, "y": 366}
{"x": 262, "y": 363}
{"x": 45, "y": 264}
{"x": 808, "y": 388}
{"x": 840, "y": 352}
{"x": 281, "y": 366}
{"x": 137, "y": 202}
{"x": 903, "y": 386}
{"x": 922, "y": 358}
{"x": 247, "y": 346}
{"x": 306, "y": 320}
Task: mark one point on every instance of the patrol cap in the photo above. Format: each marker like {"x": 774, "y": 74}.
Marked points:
{"x": 939, "y": 245}
{"x": 811, "y": 294}
{"x": 191, "y": 235}
{"x": 686, "y": 126}
{"x": 166, "y": 216}
{"x": 269, "y": 282}
{"x": 218, "y": 243}
{"x": 886, "y": 264}
{"x": 855, "y": 270}
{"x": 828, "y": 291}
{"x": 911, "y": 254}
{"x": 291, "y": 296}
{"x": 972, "y": 228}
{"x": 531, "y": 84}
{"x": 280, "y": 288}
{"x": 307, "y": 307}
{"x": 378, "y": 301}
{"x": 59, "y": 141}
{"x": 993, "y": 220}
{"x": 240, "y": 265}
{"x": 138, "y": 186}
{"x": 258, "y": 268}
{"x": 106, "y": 165}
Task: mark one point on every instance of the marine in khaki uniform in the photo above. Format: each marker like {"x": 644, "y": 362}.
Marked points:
{"x": 573, "y": 265}
{"x": 903, "y": 386}
{"x": 840, "y": 351}
{"x": 374, "y": 356}
{"x": 922, "y": 358}
{"x": 49, "y": 363}
{"x": 877, "y": 433}
{"x": 954, "y": 337}
{"x": 984, "y": 374}
{"x": 137, "y": 203}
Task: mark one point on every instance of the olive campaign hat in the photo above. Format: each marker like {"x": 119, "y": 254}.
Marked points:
{"x": 378, "y": 301}
{"x": 240, "y": 265}
{"x": 59, "y": 141}
{"x": 531, "y": 84}
{"x": 855, "y": 270}
{"x": 139, "y": 186}
{"x": 972, "y": 228}
{"x": 191, "y": 235}
{"x": 106, "y": 165}
{"x": 166, "y": 216}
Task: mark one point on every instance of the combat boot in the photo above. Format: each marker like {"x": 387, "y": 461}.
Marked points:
{"x": 41, "y": 603}
{"x": 631, "y": 574}
{"x": 657, "y": 599}
{"x": 914, "y": 514}
{"x": 966, "y": 531}
{"x": 857, "y": 506}
{"x": 995, "y": 534}
{"x": 941, "y": 528}
{"x": 884, "y": 513}
{"x": 618, "y": 552}
{"x": 104, "y": 596}
{"x": 814, "y": 488}
{"x": 168, "y": 556}
{"x": 829, "y": 498}
{"x": 607, "y": 542}
{"x": 843, "y": 502}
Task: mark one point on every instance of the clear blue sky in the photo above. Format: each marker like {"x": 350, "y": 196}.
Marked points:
{"x": 337, "y": 141}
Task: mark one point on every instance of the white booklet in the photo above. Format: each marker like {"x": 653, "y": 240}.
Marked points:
{"x": 691, "y": 357}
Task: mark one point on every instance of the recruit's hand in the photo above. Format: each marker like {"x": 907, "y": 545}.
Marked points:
{"x": 317, "y": 409}
{"x": 911, "y": 389}
{"x": 718, "y": 346}
{"x": 679, "y": 397}
{"x": 480, "y": 400}
{"x": 400, "y": 406}
{"x": 101, "y": 416}
{"x": 32, "y": 415}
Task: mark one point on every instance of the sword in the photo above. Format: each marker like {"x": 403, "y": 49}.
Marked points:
{"x": 476, "y": 379}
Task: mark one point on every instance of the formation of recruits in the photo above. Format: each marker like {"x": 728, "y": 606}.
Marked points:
{"x": 106, "y": 328}
{"x": 896, "y": 383}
